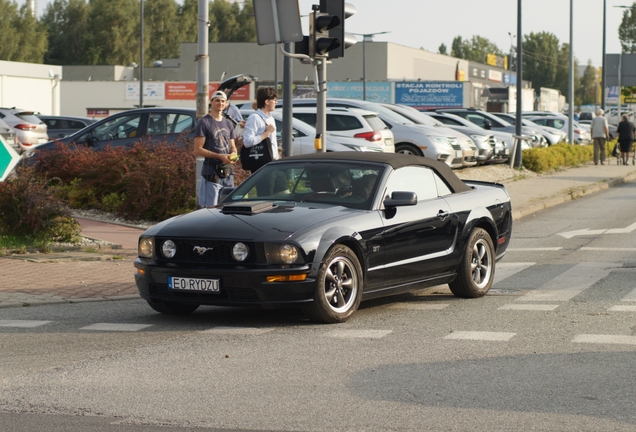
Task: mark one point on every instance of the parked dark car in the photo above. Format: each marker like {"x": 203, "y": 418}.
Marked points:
{"x": 130, "y": 127}
{"x": 325, "y": 231}
{"x": 61, "y": 126}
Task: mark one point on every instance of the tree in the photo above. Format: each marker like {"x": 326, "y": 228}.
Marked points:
{"x": 475, "y": 50}
{"x": 161, "y": 32}
{"x": 540, "y": 59}
{"x": 113, "y": 38}
{"x": 22, "y": 38}
{"x": 442, "y": 49}
{"x": 627, "y": 31}
{"x": 562, "y": 77}
{"x": 587, "y": 89}
{"x": 66, "y": 22}
{"x": 457, "y": 48}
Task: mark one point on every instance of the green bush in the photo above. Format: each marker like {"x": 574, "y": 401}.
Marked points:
{"x": 541, "y": 159}
{"x": 151, "y": 181}
{"x": 29, "y": 208}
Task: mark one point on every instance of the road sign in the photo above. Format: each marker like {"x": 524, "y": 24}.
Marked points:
{"x": 8, "y": 159}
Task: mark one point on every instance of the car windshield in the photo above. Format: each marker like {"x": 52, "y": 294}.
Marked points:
{"x": 388, "y": 115}
{"x": 347, "y": 184}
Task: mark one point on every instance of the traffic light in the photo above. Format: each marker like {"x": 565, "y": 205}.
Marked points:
{"x": 341, "y": 10}
{"x": 320, "y": 43}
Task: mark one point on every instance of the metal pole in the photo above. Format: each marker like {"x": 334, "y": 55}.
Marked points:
{"x": 517, "y": 155}
{"x": 141, "y": 53}
{"x": 321, "y": 102}
{"x": 276, "y": 67}
{"x": 571, "y": 80}
{"x": 288, "y": 76}
{"x": 603, "y": 64}
{"x": 364, "y": 67}
{"x": 203, "y": 71}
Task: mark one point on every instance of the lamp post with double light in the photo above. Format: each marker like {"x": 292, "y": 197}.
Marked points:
{"x": 366, "y": 36}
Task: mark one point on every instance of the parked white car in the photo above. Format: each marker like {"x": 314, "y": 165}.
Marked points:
{"x": 304, "y": 134}
{"x": 580, "y": 134}
{"x": 30, "y": 130}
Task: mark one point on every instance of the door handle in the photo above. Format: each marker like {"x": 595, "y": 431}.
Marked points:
{"x": 442, "y": 214}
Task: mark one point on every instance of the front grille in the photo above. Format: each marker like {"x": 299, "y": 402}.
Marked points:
{"x": 217, "y": 252}
{"x": 454, "y": 143}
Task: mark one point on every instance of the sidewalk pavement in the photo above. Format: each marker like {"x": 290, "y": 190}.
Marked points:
{"x": 108, "y": 273}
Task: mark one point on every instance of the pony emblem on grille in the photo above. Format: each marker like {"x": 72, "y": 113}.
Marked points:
{"x": 201, "y": 250}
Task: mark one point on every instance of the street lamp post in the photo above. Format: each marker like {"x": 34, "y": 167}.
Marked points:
{"x": 603, "y": 61}
{"x": 364, "y": 58}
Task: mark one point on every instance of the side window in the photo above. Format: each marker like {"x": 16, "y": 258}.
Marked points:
{"x": 416, "y": 179}
{"x": 308, "y": 118}
{"x": 182, "y": 123}
{"x": 337, "y": 122}
{"x": 541, "y": 122}
{"x": 442, "y": 187}
{"x": 477, "y": 119}
{"x": 559, "y": 124}
{"x": 448, "y": 121}
{"x": 72, "y": 124}
{"x": 125, "y": 126}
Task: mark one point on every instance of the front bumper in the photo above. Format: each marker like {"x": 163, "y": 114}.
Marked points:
{"x": 238, "y": 286}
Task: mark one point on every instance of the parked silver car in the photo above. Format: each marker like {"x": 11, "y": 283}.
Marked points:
{"x": 30, "y": 130}
{"x": 9, "y": 135}
{"x": 551, "y": 135}
{"x": 61, "y": 126}
{"x": 580, "y": 135}
{"x": 410, "y": 138}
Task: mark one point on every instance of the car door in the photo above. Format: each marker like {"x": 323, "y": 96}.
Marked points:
{"x": 170, "y": 127}
{"x": 416, "y": 239}
{"x": 119, "y": 130}
{"x": 301, "y": 142}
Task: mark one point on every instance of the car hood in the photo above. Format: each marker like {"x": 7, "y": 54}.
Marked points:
{"x": 281, "y": 222}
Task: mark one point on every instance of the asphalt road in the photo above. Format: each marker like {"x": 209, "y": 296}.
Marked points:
{"x": 552, "y": 347}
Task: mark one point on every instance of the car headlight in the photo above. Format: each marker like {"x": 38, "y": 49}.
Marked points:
{"x": 146, "y": 247}
{"x": 282, "y": 254}
{"x": 439, "y": 139}
{"x": 240, "y": 251}
{"x": 479, "y": 138}
{"x": 169, "y": 249}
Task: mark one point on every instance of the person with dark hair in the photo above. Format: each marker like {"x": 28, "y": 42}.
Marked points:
{"x": 261, "y": 126}
{"x": 214, "y": 141}
{"x": 625, "y": 133}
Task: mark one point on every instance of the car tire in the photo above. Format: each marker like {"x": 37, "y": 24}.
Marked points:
{"x": 339, "y": 288}
{"x": 172, "y": 308}
{"x": 477, "y": 269}
{"x": 408, "y": 149}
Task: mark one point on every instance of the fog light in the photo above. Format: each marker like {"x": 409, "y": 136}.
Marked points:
{"x": 240, "y": 252}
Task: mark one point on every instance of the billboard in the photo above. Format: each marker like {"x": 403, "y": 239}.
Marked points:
{"x": 432, "y": 94}
{"x": 376, "y": 91}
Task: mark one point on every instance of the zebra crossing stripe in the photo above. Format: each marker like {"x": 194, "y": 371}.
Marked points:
{"x": 539, "y": 249}
{"x": 605, "y": 339}
{"x": 505, "y": 270}
{"x": 116, "y": 327}
{"x": 480, "y": 335}
{"x": 365, "y": 334}
{"x": 241, "y": 331}
{"x": 529, "y": 307}
{"x": 571, "y": 282}
{"x": 420, "y": 306}
{"x": 623, "y": 308}
{"x": 22, "y": 323}
{"x": 631, "y": 297}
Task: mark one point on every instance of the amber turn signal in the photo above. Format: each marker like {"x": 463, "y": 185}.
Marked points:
{"x": 287, "y": 278}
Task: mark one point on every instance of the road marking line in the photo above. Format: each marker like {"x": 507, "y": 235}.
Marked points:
{"x": 22, "y": 323}
{"x": 420, "y": 306}
{"x": 623, "y": 308}
{"x": 605, "y": 339}
{"x": 116, "y": 327}
{"x": 631, "y": 297}
{"x": 373, "y": 334}
{"x": 243, "y": 331}
{"x": 585, "y": 248}
{"x": 529, "y": 307}
{"x": 505, "y": 270}
{"x": 539, "y": 249}
{"x": 571, "y": 282}
{"x": 477, "y": 335}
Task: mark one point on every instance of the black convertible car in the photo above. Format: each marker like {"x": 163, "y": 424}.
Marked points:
{"x": 325, "y": 231}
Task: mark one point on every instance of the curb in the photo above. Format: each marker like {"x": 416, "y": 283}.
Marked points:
{"x": 570, "y": 195}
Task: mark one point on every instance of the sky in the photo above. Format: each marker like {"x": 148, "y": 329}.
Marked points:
{"x": 429, "y": 23}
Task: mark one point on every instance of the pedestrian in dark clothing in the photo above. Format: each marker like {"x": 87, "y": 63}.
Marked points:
{"x": 625, "y": 137}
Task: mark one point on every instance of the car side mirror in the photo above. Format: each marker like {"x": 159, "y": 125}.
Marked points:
{"x": 400, "y": 199}
{"x": 225, "y": 192}
{"x": 487, "y": 124}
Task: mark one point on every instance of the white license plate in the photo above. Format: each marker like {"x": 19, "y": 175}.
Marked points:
{"x": 193, "y": 284}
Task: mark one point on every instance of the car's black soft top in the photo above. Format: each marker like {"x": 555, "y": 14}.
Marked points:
{"x": 395, "y": 160}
